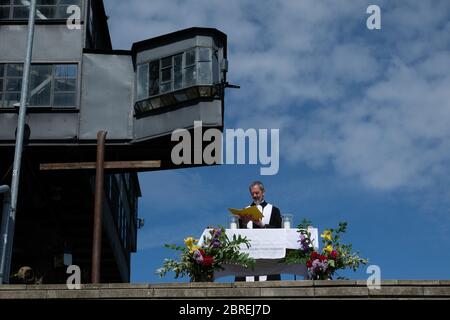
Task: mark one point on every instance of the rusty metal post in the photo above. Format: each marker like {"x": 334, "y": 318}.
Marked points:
{"x": 99, "y": 180}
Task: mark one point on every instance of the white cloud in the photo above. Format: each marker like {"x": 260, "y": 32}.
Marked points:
{"x": 374, "y": 104}
{"x": 395, "y": 136}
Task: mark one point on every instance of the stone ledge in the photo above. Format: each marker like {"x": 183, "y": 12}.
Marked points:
{"x": 419, "y": 282}
{"x": 334, "y": 283}
{"x": 287, "y": 292}
{"x": 341, "y": 292}
{"x": 179, "y": 293}
{"x": 437, "y": 291}
{"x": 233, "y": 293}
{"x": 335, "y": 289}
{"x": 397, "y": 291}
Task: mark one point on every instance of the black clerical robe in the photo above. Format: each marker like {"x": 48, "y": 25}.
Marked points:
{"x": 275, "y": 222}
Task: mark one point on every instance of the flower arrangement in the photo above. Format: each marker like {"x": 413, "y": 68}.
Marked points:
{"x": 200, "y": 262}
{"x": 322, "y": 265}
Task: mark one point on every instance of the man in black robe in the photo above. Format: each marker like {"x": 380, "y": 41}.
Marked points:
{"x": 271, "y": 218}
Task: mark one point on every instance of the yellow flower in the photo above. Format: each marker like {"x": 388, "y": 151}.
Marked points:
{"x": 193, "y": 248}
{"x": 326, "y": 235}
{"x": 329, "y": 248}
{"x": 189, "y": 242}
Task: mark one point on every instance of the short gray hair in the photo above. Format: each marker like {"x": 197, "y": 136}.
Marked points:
{"x": 256, "y": 183}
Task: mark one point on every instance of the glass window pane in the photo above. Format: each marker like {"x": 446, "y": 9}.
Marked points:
{"x": 178, "y": 80}
{"x": 40, "y": 74}
{"x": 4, "y": 12}
{"x": 10, "y": 99}
{"x": 178, "y": 62}
{"x": 166, "y": 74}
{"x": 168, "y": 100}
{"x": 204, "y": 73}
{"x": 154, "y": 78}
{"x": 40, "y": 85}
{"x": 65, "y": 85}
{"x": 45, "y": 12}
{"x": 204, "y": 54}
{"x": 66, "y": 70}
{"x": 2, "y": 68}
{"x": 64, "y": 100}
{"x": 14, "y": 84}
{"x": 166, "y": 62}
{"x": 166, "y": 87}
{"x": 142, "y": 83}
{"x": 5, "y": 2}
{"x": 14, "y": 70}
{"x": 20, "y": 13}
{"x": 62, "y": 12}
{"x": 47, "y": 2}
{"x": 178, "y": 72}
{"x": 1, "y": 84}
{"x": 72, "y": 70}
{"x": 40, "y": 96}
{"x": 190, "y": 57}
{"x": 191, "y": 76}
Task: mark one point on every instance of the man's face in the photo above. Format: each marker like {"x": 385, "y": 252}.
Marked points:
{"x": 257, "y": 194}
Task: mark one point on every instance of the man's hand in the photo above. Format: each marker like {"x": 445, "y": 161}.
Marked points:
{"x": 259, "y": 223}
{"x": 246, "y": 219}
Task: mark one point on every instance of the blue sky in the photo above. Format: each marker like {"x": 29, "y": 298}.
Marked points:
{"x": 363, "y": 117}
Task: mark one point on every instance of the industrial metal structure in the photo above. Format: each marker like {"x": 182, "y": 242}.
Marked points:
{"x": 79, "y": 86}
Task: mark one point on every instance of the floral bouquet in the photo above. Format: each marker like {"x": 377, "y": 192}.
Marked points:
{"x": 322, "y": 265}
{"x": 200, "y": 262}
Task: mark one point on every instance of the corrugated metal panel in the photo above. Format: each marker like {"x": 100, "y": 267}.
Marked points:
{"x": 54, "y": 126}
{"x": 51, "y": 43}
{"x": 106, "y": 101}
{"x": 155, "y": 125}
{"x": 8, "y": 125}
{"x": 179, "y": 46}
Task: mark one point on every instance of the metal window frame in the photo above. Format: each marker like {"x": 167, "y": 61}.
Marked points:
{"x": 183, "y": 54}
{"x": 2, "y": 88}
{"x": 198, "y": 62}
{"x": 51, "y": 86}
{"x": 147, "y": 93}
{"x": 52, "y": 105}
{"x": 185, "y": 86}
{"x": 54, "y": 78}
{"x": 9, "y": 6}
{"x": 5, "y": 80}
{"x": 58, "y": 5}
{"x": 161, "y": 68}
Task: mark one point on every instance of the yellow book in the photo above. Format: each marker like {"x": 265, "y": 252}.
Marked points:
{"x": 252, "y": 211}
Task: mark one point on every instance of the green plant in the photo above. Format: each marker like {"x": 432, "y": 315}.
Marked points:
{"x": 334, "y": 255}
{"x": 200, "y": 262}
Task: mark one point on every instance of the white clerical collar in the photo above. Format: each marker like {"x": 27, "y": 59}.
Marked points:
{"x": 262, "y": 204}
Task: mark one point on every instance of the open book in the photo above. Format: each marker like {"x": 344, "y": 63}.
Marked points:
{"x": 252, "y": 211}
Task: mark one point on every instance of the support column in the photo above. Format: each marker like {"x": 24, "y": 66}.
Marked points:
{"x": 99, "y": 192}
